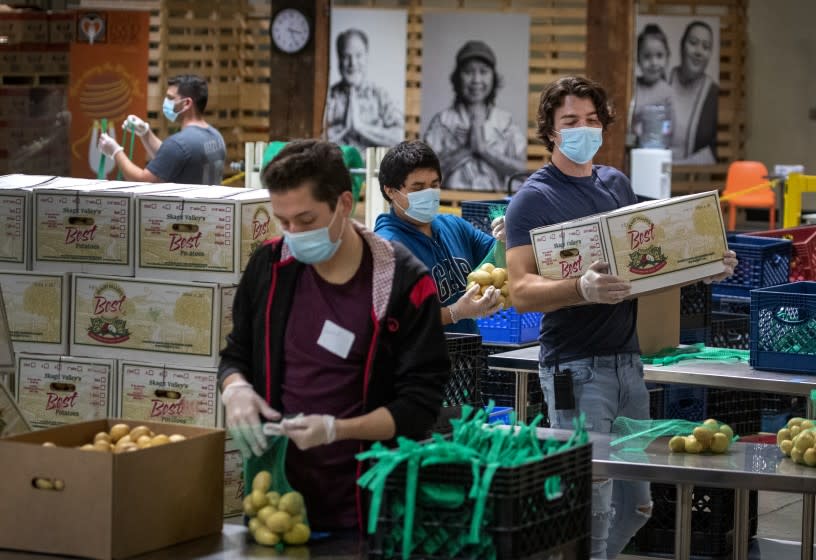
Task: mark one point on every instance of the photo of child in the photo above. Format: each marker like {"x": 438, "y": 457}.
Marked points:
{"x": 652, "y": 122}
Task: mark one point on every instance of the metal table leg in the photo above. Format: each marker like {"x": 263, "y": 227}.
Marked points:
{"x": 809, "y": 409}
{"x": 742, "y": 527}
{"x": 682, "y": 522}
{"x": 521, "y": 395}
{"x": 807, "y": 525}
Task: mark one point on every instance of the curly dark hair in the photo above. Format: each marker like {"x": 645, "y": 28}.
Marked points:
{"x": 315, "y": 162}
{"x": 403, "y": 159}
{"x": 194, "y": 87}
{"x": 552, "y": 97}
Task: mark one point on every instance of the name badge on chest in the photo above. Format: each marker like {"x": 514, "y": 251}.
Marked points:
{"x": 336, "y": 339}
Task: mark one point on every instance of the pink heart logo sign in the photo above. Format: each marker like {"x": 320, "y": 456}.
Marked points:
{"x": 91, "y": 26}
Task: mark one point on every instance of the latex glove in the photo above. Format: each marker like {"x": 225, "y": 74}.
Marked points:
{"x": 730, "y": 262}
{"x": 597, "y": 286}
{"x": 243, "y": 408}
{"x": 140, "y": 128}
{"x": 498, "y": 228}
{"x": 310, "y": 431}
{"x": 468, "y": 308}
{"x": 109, "y": 146}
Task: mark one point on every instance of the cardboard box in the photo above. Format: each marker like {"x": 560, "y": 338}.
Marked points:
{"x": 658, "y": 321}
{"x": 211, "y": 231}
{"x": 233, "y": 480}
{"x": 112, "y": 505}
{"x": 227, "y": 298}
{"x": 654, "y": 244}
{"x": 37, "y": 311}
{"x": 56, "y": 390}
{"x": 166, "y": 393}
{"x": 12, "y": 421}
{"x": 146, "y": 320}
{"x": 15, "y": 241}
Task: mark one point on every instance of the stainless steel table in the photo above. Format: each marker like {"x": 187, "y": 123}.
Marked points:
{"x": 707, "y": 373}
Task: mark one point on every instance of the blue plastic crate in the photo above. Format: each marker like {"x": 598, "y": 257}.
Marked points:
{"x": 509, "y": 326}
{"x": 683, "y": 402}
{"x": 693, "y": 336}
{"x": 477, "y": 212}
{"x": 763, "y": 262}
{"x": 740, "y": 305}
{"x": 499, "y": 415}
{"x": 783, "y": 328}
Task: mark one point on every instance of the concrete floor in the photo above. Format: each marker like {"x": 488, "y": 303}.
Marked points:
{"x": 779, "y": 529}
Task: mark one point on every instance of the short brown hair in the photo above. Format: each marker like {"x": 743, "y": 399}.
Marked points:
{"x": 552, "y": 97}
{"x": 315, "y": 162}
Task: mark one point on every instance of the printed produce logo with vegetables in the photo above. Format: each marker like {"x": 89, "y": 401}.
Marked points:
{"x": 646, "y": 256}
{"x": 260, "y": 228}
{"x": 107, "y": 326}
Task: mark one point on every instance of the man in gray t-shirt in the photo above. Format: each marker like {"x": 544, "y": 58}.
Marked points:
{"x": 195, "y": 155}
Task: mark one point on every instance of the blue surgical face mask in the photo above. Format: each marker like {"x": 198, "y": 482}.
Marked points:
{"x": 168, "y": 108}
{"x": 580, "y": 144}
{"x": 423, "y": 206}
{"x": 315, "y": 246}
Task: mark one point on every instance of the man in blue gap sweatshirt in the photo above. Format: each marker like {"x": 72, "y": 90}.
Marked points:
{"x": 410, "y": 177}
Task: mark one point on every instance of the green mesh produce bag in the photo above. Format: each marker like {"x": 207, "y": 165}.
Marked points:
{"x": 696, "y": 351}
{"x": 484, "y": 449}
{"x": 496, "y": 255}
{"x": 636, "y": 435}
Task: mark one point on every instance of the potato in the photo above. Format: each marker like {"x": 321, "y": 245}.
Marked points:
{"x": 484, "y": 288}
{"x": 806, "y": 425}
{"x": 49, "y": 444}
{"x": 503, "y": 302}
{"x": 87, "y": 447}
{"x": 299, "y": 534}
{"x": 786, "y": 446}
{"x": 138, "y": 432}
{"x": 249, "y": 507}
{"x": 481, "y": 277}
{"x": 102, "y": 446}
{"x": 126, "y": 448}
{"x": 499, "y": 276}
{"x": 266, "y": 537}
{"x": 102, "y": 436}
{"x": 809, "y": 456}
{"x": 719, "y": 443}
{"x": 118, "y": 431}
{"x": 44, "y": 484}
{"x": 297, "y": 519}
{"x": 505, "y": 289}
{"x": 59, "y": 485}
{"x": 488, "y": 267}
{"x": 710, "y": 422}
{"x": 726, "y": 429}
{"x": 265, "y": 512}
{"x": 144, "y": 442}
{"x": 804, "y": 441}
{"x": 254, "y": 523}
{"x": 124, "y": 440}
{"x": 292, "y": 503}
{"x": 258, "y": 499}
{"x": 782, "y": 435}
{"x": 797, "y": 456}
{"x": 677, "y": 444}
{"x": 470, "y": 285}
{"x": 692, "y": 445}
{"x": 175, "y": 438}
{"x": 795, "y": 421}
{"x": 262, "y": 481}
{"x": 703, "y": 434}
{"x": 160, "y": 439}
{"x": 272, "y": 498}
{"x": 278, "y": 522}
{"x": 794, "y": 430}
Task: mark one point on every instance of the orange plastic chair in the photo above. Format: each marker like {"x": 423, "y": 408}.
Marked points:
{"x": 744, "y": 175}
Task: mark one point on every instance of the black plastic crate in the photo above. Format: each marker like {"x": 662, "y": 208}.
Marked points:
{"x": 500, "y": 385}
{"x": 463, "y": 386}
{"x": 656, "y": 405}
{"x": 519, "y": 517}
{"x": 730, "y": 330}
{"x": 693, "y": 336}
{"x": 477, "y": 212}
{"x": 742, "y": 410}
{"x": 684, "y": 402}
{"x": 731, "y": 304}
{"x": 695, "y": 306}
{"x": 777, "y": 409}
{"x": 712, "y": 521}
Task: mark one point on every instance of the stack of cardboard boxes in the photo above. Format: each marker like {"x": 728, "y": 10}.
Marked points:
{"x": 119, "y": 298}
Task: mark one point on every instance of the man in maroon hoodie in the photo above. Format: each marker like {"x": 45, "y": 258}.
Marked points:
{"x": 335, "y": 325}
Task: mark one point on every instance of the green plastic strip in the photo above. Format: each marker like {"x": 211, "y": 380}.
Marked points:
{"x": 100, "y": 172}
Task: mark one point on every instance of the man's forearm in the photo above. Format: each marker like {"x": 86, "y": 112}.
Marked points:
{"x": 151, "y": 143}
{"x": 130, "y": 171}
{"x": 377, "y": 425}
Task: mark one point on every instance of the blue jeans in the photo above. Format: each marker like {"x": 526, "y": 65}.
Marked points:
{"x": 606, "y": 387}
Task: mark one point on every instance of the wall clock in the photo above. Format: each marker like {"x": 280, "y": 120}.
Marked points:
{"x": 290, "y": 30}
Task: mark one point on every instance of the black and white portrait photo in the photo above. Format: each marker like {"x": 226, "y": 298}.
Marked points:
{"x": 365, "y": 105}
{"x": 677, "y": 65}
{"x": 474, "y": 96}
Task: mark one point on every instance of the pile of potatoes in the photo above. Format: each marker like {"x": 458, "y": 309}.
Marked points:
{"x": 490, "y": 275}
{"x": 797, "y": 440}
{"x": 122, "y": 439}
{"x": 710, "y": 436}
{"x": 274, "y": 518}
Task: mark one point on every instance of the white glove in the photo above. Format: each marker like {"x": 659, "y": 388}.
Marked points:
{"x": 138, "y": 125}
{"x": 109, "y": 146}
{"x": 243, "y": 409}
{"x": 498, "y": 228}
{"x": 468, "y": 308}
{"x": 310, "y": 431}
{"x": 730, "y": 262}
{"x": 597, "y": 286}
